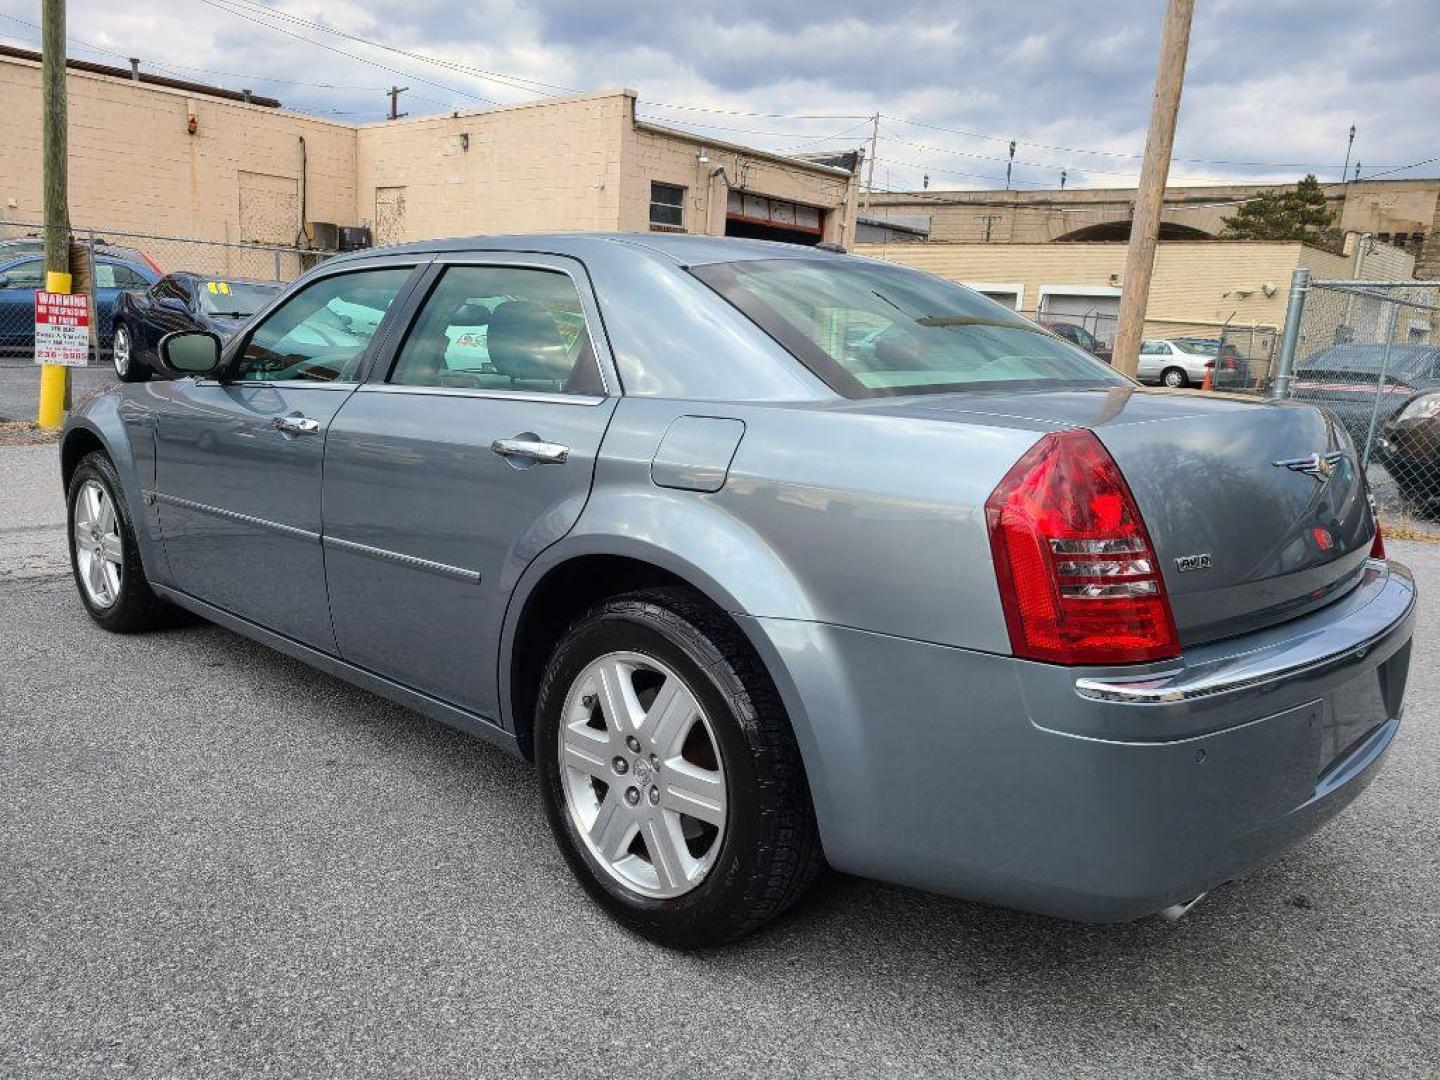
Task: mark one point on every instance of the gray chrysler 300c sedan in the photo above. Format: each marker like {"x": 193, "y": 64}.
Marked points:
{"x": 769, "y": 556}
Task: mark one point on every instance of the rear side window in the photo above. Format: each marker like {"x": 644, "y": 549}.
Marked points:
{"x": 501, "y": 328}
{"x": 871, "y": 330}
{"x": 113, "y": 275}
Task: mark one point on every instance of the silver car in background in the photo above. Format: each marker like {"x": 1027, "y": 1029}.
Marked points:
{"x": 1175, "y": 363}
{"x": 767, "y": 557}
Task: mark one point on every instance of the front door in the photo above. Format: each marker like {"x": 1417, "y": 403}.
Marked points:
{"x": 238, "y": 459}
{"x": 450, "y": 471}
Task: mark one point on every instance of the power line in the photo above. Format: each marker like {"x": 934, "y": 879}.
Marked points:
{"x": 1404, "y": 168}
{"x": 517, "y": 82}
{"x": 1108, "y": 153}
{"x": 219, "y": 6}
{"x": 743, "y": 131}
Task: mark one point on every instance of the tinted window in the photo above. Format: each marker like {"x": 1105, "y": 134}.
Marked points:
{"x": 501, "y": 328}
{"x": 113, "y": 275}
{"x": 321, "y": 333}
{"x": 170, "y": 287}
{"x": 1408, "y": 360}
{"x": 871, "y": 329}
{"x": 26, "y": 275}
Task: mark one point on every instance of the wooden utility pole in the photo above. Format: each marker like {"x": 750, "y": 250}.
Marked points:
{"x": 1150, "y": 197}
{"x": 870, "y": 165}
{"x": 395, "y": 92}
{"x": 55, "y": 379}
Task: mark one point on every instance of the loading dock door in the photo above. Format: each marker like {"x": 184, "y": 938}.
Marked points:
{"x": 759, "y": 217}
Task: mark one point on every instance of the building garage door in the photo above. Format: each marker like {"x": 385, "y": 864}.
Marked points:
{"x": 1098, "y": 314}
{"x": 269, "y": 208}
{"x": 759, "y": 217}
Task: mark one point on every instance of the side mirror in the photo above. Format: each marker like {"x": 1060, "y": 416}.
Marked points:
{"x": 190, "y": 352}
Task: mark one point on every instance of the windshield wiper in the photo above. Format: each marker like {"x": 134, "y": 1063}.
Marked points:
{"x": 232, "y": 314}
{"x": 977, "y": 320}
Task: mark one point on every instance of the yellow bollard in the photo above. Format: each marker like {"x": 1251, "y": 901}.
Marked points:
{"x": 54, "y": 378}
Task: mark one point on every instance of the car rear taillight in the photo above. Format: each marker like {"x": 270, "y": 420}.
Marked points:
{"x": 1377, "y": 546}
{"x": 1078, "y": 577}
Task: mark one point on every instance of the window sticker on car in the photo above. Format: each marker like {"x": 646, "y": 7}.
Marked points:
{"x": 220, "y": 287}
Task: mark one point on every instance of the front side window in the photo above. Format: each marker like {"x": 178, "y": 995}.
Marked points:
{"x": 1152, "y": 348}
{"x": 869, "y": 329}
{"x": 501, "y": 328}
{"x": 667, "y": 206}
{"x": 322, "y": 332}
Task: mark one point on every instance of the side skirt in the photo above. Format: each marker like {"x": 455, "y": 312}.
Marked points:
{"x": 468, "y": 722}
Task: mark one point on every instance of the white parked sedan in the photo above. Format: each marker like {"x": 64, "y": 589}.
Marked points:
{"x": 1174, "y": 363}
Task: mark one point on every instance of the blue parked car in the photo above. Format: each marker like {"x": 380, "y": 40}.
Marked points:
{"x": 22, "y": 271}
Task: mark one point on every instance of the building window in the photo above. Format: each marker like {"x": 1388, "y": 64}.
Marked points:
{"x": 667, "y": 206}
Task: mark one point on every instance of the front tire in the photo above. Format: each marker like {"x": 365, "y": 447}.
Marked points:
{"x": 104, "y": 554}
{"x": 128, "y": 366}
{"x": 670, "y": 774}
{"x": 1174, "y": 377}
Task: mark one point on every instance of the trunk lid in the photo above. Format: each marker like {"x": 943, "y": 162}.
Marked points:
{"x": 1249, "y": 526}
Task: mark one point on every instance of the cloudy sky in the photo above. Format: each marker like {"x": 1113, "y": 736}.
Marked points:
{"x": 1272, "y": 88}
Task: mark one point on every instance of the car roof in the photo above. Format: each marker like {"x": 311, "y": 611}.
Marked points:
{"x": 684, "y": 249}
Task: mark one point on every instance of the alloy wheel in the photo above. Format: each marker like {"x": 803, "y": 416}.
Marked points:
{"x": 99, "y": 554}
{"x": 120, "y": 351}
{"x": 642, "y": 775}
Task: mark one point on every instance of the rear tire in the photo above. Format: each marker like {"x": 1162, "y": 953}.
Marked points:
{"x": 104, "y": 554}
{"x": 1174, "y": 377}
{"x": 752, "y": 850}
{"x": 128, "y": 366}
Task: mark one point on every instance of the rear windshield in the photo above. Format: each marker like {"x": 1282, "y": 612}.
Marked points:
{"x": 234, "y": 299}
{"x": 1407, "y": 360}
{"x": 871, "y": 330}
{"x": 1200, "y": 348}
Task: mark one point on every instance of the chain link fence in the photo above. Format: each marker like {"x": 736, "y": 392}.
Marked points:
{"x": 106, "y": 262}
{"x": 1369, "y": 351}
{"x": 1242, "y": 353}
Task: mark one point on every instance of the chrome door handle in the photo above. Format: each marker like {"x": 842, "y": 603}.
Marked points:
{"x": 531, "y": 449}
{"x": 296, "y": 425}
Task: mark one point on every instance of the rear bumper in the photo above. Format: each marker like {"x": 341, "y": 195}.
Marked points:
{"x": 1004, "y": 781}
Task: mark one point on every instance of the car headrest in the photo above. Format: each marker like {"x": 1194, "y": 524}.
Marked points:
{"x": 525, "y": 343}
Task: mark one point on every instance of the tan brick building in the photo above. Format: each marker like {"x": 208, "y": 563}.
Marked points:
{"x": 1401, "y": 213}
{"x": 155, "y": 155}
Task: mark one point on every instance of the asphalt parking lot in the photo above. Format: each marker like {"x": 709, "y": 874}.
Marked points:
{"x": 217, "y": 862}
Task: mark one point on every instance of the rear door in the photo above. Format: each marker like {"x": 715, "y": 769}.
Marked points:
{"x": 238, "y": 462}
{"x": 469, "y": 452}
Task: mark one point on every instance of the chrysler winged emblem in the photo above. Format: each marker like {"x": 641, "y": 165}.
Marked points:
{"x": 1319, "y": 467}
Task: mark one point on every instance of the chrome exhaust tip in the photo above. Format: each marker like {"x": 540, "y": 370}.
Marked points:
{"x": 1177, "y": 911}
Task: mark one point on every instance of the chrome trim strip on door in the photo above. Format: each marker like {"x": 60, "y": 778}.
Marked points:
{"x": 476, "y": 392}
{"x": 232, "y": 515}
{"x": 412, "y": 561}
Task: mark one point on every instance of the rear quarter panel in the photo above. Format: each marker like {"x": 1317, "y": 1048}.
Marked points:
{"x": 830, "y": 513}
